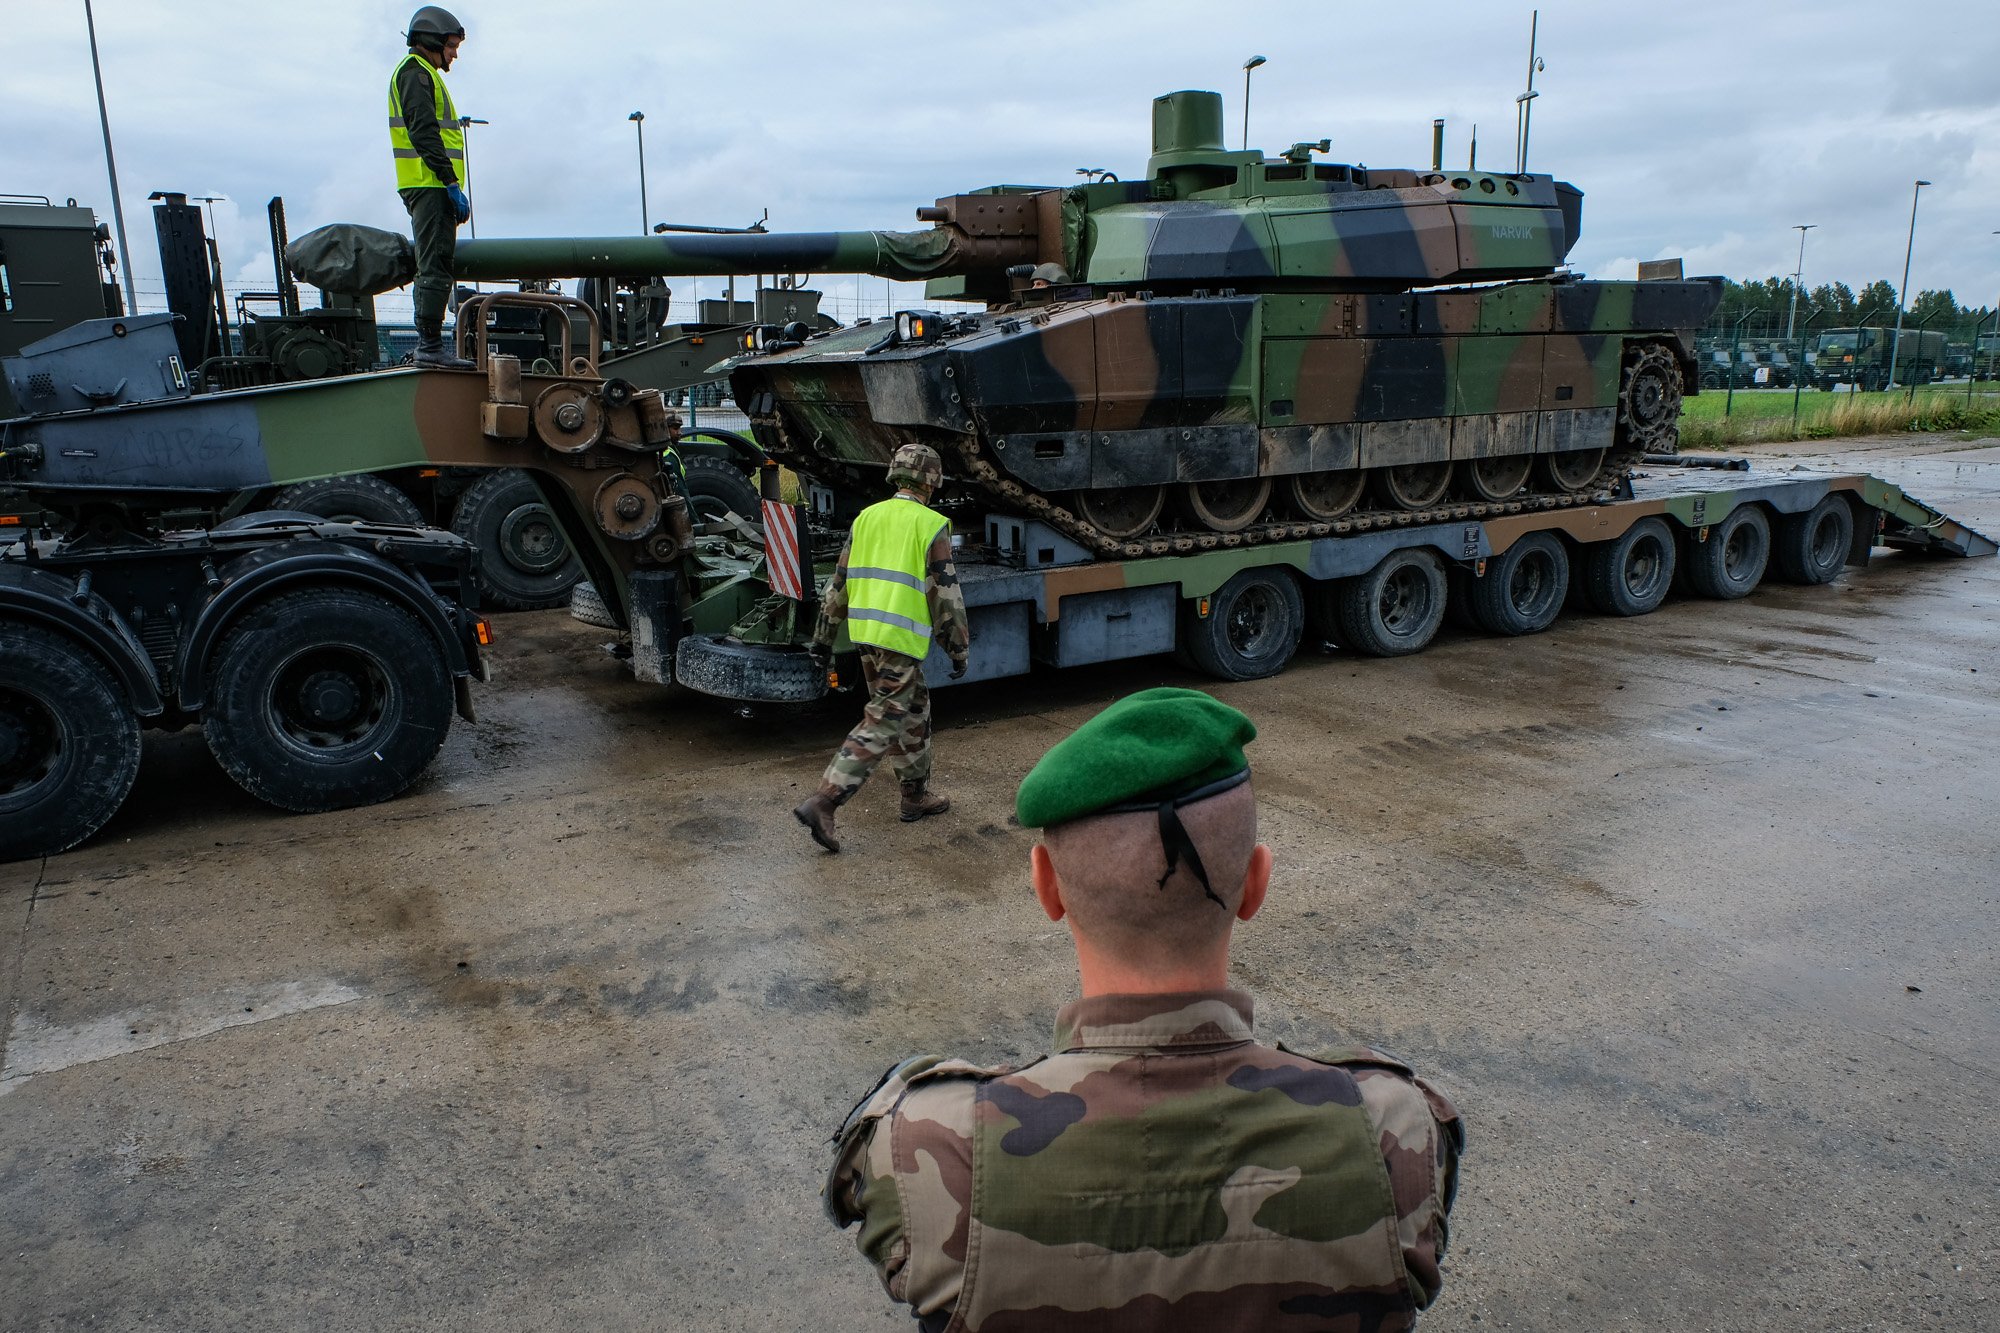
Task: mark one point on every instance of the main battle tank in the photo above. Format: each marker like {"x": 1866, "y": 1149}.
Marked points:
{"x": 1234, "y": 349}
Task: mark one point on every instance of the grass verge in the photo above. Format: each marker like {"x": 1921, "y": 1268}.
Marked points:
{"x": 1756, "y": 417}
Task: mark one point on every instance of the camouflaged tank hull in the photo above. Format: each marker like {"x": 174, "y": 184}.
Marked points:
{"x": 1143, "y": 424}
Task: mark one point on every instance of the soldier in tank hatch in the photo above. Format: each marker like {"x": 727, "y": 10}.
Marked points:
{"x": 1162, "y": 1170}
{"x": 428, "y": 145}
{"x": 896, "y": 588}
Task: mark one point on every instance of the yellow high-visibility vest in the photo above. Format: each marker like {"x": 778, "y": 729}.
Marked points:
{"x": 887, "y": 555}
{"x": 412, "y": 172}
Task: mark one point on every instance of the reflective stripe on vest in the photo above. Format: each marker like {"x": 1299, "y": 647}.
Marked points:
{"x": 887, "y": 555}
{"x": 412, "y": 172}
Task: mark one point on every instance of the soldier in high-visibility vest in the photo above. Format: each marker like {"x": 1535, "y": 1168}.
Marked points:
{"x": 429, "y": 148}
{"x": 898, "y": 592}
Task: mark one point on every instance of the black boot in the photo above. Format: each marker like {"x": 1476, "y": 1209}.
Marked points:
{"x": 432, "y": 354}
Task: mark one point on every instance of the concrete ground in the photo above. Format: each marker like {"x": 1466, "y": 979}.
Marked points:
{"x": 1694, "y": 915}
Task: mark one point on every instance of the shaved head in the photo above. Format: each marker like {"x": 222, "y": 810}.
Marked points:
{"x": 1108, "y": 869}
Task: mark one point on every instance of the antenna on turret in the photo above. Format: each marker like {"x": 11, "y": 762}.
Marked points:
{"x": 1524, "y": 108}
{"x": 1437, "y": 144}
{"x": 1472, "y": 153}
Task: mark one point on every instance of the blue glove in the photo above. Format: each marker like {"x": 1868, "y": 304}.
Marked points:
{"x": 459, "y": 202}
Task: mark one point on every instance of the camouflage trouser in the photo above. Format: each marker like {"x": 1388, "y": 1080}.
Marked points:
{"x": 895, "y": 726}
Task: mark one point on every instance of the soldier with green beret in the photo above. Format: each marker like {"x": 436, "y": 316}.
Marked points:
{"x": 897, "y": 590}
{"x": 1163, "y": 1169}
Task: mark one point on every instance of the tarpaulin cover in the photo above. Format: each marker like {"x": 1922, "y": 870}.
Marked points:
{"x": 348, "y": 259}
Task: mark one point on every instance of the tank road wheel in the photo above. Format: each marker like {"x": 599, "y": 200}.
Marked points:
{"x": 1253, "y": 626}
{"x": 1121, "y": 511}
{"x": 69, "y": 743}
{"x": 356, "y": 499}
{"x": 1649, "y": 400}
{"x": 1573, "y": 471}
{"x": 1414, "y": 485}
{"x": 524, "y": 561}
{"x": 1395, "y": 608}
{"x": 716, "y": 489}
{"x": 1325, "y": 496}
{"x": 327, "y": 698}
{"x": 1524, "y": 587}
{"x": 1731, "y": 562}
{"x": 1812, "y": 547}
{"x": 1630, "y": 575}
{"x": 1500, "y": 478}
{"x": 1226, "y": 506}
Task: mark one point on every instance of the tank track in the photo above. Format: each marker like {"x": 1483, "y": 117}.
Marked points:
{"x": 973, "y": 466}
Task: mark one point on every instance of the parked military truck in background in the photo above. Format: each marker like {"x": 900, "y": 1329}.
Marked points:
{"x": 1859, "y": 357}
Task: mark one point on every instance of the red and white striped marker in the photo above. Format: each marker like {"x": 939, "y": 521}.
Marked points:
{"x": 781, "y": 549}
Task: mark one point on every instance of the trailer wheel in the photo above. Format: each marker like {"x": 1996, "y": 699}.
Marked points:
{"x": 715, "y": 488}
{"x": 1252, "y": 628}
{"x": 1630, "y": 575}
{"x": 1812, "y": 547}
{"x": 69, "y": 743}
{"x": 1395, "y": 608}
{"x": 524, "y": 561}
{"x": 325, "y": 699}
{"x": 753, "y": 672}
{"x": 1524, "y": 587}
{"x": 1731, "y": 562}
{"x": 360, "y": 498}
{"x": 587, "y": 604}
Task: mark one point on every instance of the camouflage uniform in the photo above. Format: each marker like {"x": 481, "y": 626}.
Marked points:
{"x": 1163, "y": 1170}
{"x": 896, "y": 724}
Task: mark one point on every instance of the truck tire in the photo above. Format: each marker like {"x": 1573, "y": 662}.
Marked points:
{"x": 69, "y": 743}
{"x": 754, "y": 672}
{"x": 1524, "y": 588}
{"x": 1630, "y": 575}
{"x": 716, "y": 488}
{"x": 1395, "y": 608}
{"x": 1812, "y": 547}
{"x": 1731, "y": 562}
{"x": 360, "y": 498}
{"x": 327, "y": 698}
{"x": 524, "y": 561}
{"x": 587, "y": 605}
{"x": 1252, "y": 629}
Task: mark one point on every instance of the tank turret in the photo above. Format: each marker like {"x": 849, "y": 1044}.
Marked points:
{"x": 1237, "y": 348}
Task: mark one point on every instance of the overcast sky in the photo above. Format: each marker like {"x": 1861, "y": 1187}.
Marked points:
{"x": 1698, "y": 129}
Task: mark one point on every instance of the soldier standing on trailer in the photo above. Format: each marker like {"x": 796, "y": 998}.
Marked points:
{"x": 898, "y": 592}
{"x": 429, "y": 148}
{"x": 1164, "y": 1169}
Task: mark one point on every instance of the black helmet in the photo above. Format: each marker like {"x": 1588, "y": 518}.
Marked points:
{"x": 432, "y": 26}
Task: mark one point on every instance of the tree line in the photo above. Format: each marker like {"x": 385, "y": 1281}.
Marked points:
{"x": 1763, "y": 304}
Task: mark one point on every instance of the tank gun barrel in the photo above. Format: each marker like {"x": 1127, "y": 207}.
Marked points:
{"x": 943, "y": 251}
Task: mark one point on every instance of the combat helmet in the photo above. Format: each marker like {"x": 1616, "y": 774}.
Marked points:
{"x": 432, "y": 26}
{"x": 917, "y": 466}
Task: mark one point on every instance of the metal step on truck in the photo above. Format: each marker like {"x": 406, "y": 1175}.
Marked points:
{"x": 1037, "y": 600}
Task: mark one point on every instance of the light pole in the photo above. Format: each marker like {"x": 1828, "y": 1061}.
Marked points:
{"x": 1524, "y": 105}
{"x": 465, "y": 124}
{"x": 1798, "y": 276}
{"x": 1896, "y": 343}
{"x": 638, "y": 119}
{"x": 1248, "y": 65}
{"x": 111, "y": 164}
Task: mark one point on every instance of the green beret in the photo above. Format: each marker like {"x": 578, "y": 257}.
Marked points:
{"x": 1155, "y": 744}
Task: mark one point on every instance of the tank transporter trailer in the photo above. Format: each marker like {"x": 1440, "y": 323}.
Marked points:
{"x": 1252, "y": 399}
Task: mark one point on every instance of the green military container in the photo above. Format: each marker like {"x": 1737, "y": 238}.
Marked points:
{"x": 55, "y": 271}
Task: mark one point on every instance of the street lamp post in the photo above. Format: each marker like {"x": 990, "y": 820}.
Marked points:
{"x": 1248, "y": 65}
{"x": 111, "y": 164}
{"x": 638, "y": 119}
{"x": 1524, "y": 105}
{"x": 1896, "y": 343}
{"x": 465, "y": 124}
{"x": 1798, "y": 276}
